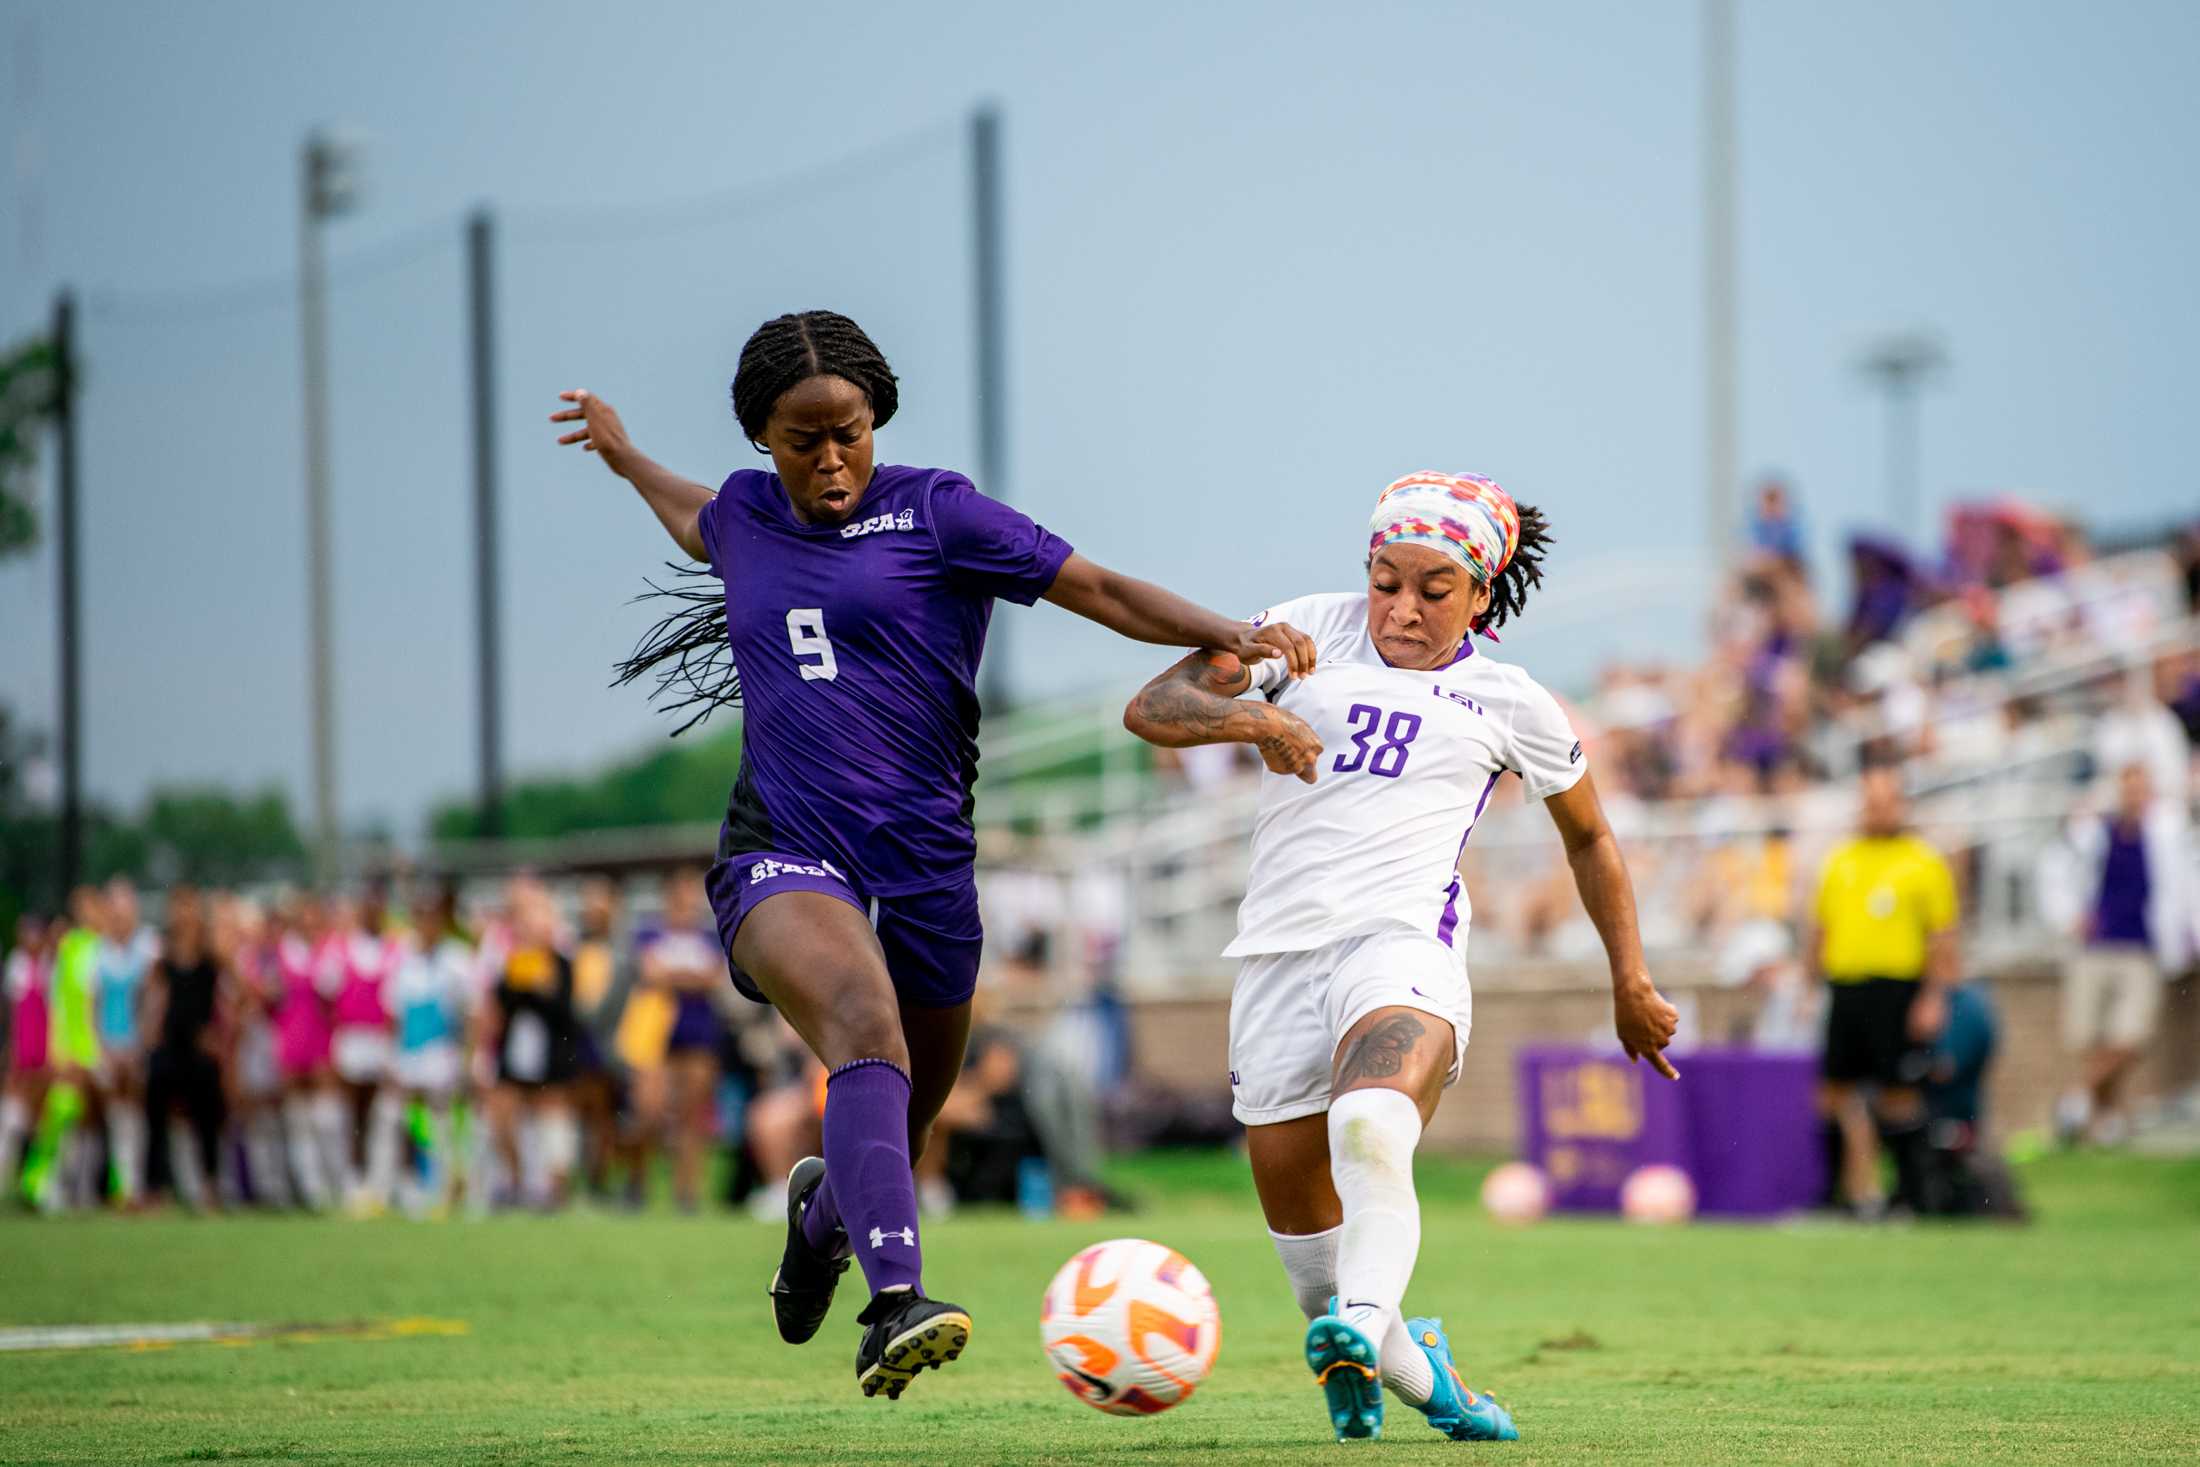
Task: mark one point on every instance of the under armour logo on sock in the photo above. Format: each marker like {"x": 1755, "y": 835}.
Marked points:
{"x": 908, "y": 1237}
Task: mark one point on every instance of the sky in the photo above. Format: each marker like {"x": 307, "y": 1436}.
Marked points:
{"x": 1262, "y": 259}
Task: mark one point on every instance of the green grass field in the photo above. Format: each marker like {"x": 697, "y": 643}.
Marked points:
{"x": 611, "y": 1339}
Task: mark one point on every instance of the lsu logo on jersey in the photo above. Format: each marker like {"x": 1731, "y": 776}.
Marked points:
{"x": 1462, "y": 700}
{"x": 906, "y": 520}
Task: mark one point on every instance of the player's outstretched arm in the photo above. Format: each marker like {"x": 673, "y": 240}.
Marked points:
{"x": 1145, "y": 612}
{"x": 1196, "y": 702}
{"x": 1644, "y": 1019}
{"x": 675, "y": 499}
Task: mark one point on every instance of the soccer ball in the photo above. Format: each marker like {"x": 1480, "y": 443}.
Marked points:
{"x": 1516, "y": 1192}
{"x": 1130, "y": 1326}
{"x": 1657, "y": 1194}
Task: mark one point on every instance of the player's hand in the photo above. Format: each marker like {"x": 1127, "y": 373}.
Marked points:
{"x": 600, "y": 432}
{"x": 1287, "y": 745}
{"x": 1928, "y": 1016}
{"x": 1645, "y": 1022}
{"x": 1276, "y": 639}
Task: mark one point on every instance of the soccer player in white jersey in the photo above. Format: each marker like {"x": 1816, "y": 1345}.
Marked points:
{"x": 1349, "y": 1017}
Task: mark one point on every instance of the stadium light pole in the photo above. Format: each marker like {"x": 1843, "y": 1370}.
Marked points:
{"x": 481, "y": 296}
{"x": 327, "y": 188}
{"x": 1899, "y": 365}
{"x": 1718, "y": 280}
{"x": 990, "y": 293}
{"x": 69, "y": 590}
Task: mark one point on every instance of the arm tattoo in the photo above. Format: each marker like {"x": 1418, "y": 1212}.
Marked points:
{"x": 1184, "y": 702}
{"x": 1178, "y": 701}
{"x": 1380, "y": 1052}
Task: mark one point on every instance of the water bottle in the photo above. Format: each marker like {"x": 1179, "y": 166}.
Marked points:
{"x": 1034, "y": 1188}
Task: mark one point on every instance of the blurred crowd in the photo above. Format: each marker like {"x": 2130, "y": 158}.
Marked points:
{"x": 340, "y": 1051}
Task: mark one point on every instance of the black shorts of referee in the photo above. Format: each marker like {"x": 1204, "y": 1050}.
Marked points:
{"x": 1868, "y": 1034}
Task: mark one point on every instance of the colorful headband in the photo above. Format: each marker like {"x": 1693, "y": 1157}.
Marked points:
{"x": 1465, "y": 516}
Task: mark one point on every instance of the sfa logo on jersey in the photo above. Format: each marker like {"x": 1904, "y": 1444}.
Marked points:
{"x": 906, "y": 520}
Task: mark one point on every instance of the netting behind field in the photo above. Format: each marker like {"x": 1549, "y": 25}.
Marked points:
{"x": 192, "y": 485}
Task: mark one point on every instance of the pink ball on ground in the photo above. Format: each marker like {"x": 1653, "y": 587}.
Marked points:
{"x": 1658, "y": 1194}
{"x": 1516, "y": 1193}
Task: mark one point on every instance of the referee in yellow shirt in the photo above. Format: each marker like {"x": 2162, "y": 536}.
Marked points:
{"x": 1884, "y": 938}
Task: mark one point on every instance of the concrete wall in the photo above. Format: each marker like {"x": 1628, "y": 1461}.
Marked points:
{"x": 1182, "y": 1043}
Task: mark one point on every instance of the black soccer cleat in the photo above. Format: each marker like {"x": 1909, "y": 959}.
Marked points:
{"x": 802, "y": 1288}
{"x": 907, "y": 1333}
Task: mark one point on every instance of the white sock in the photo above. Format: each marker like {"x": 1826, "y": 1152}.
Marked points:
{"x": 440, "y": 1170}
{"x": 1372, "y": 1134}
{"x": 332, "y": 1128}
{"x": 126, "y": 1138}
{"x": 1405, "y": 1369}
{"x": 15, "y": 1123}
{"x": 263, "y": 1152}
{"x": 1310, "y": 1263}
{"x": 305, "y": 1152}
{"x": 183, "y": 1165}
{"x": 385, "y": 1138}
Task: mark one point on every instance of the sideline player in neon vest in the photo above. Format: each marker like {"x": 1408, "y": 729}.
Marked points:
{"x": 1349, "y": 1016}
{"x": 855, "y": 607}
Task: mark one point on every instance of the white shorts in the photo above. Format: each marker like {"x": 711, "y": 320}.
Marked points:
{"x": 1289, "y": 1010}
{"x": 362, "y": 1056}
{"x": 2112, "y": 996}
{"x": 432, "y": 1069}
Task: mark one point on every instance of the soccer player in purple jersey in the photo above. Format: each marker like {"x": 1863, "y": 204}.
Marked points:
{"x": 856, "y": 599}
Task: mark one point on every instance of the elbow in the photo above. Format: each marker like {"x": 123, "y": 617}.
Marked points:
{"x": 1136, "y": 721}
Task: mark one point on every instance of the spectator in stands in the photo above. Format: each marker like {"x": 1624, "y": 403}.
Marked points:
{"x": 984, "y": 1133}
{"x": 1775, "y": 528}
{"x": 2137, "y": 729}
{"x": 1887, "y": 590}
{"x": 1789, "y": 1017}
{"x": 1884, "y": 939}
{"x": 2137, "y": 861}
{"x": 2179, "y": 687}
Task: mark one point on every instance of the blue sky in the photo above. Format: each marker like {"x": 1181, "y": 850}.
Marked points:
{"x": 1263, "y": 259}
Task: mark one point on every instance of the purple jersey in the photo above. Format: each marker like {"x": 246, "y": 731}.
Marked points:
{"x": 858, "y": 646}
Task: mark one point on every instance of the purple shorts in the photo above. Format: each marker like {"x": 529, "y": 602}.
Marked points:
{"x": 931, "y": 938}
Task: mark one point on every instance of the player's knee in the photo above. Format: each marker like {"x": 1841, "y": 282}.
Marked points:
{"x": 866, "y": 1031}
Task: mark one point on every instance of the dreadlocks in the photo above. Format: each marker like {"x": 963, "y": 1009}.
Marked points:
{"x": 687, "y": 651}
{"x": 1509, "y": 591}
{"x": 787, "y": 351}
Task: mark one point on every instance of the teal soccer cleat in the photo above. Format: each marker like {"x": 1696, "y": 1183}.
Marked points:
{"x": 1347, "y": 1363}
{"x": 1453, "y": 1409}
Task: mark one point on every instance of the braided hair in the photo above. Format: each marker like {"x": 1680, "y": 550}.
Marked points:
{"x": 1509, "y": 592}
{"x": 686, "y": 652}
{"x": 787, "y": 351}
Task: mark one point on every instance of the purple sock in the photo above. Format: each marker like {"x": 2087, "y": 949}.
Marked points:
{"x": 821, "y": 1227}
{"x": 867, "y": 1168}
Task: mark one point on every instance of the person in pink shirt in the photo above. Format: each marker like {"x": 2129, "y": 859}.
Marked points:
{"x": 27, "y": 978}
{"x": 362, "y": 1046}
{"x": 309, "y": 971}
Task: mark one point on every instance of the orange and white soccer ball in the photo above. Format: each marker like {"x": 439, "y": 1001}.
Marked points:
{"x": 1516, "y": 1193}
{"x": 1130, "y": 1326}
{"x": 1657, "y": 1194}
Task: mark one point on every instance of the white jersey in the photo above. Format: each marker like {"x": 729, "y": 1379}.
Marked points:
{"x": 1408, "y": 762}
